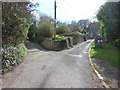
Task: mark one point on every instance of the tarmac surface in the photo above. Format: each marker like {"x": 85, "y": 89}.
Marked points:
{"x": 50, "y": 69}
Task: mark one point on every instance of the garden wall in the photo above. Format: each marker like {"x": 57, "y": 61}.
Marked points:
{"x": 54, "y": 45}
{"x": 77, "y": 39}
{"x": 50, "y": 44}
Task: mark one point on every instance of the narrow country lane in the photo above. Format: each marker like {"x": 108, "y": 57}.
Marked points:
{"x": 49, "y": 69}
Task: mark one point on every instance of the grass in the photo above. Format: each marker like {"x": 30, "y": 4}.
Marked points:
{"x": 93, "y": 69}
{"x": 107, "y": 52}
{"x": 97, "y": 68}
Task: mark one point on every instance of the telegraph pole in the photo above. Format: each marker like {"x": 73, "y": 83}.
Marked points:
{"x": 55, "y": 13}
{"x": 55, "y": 18}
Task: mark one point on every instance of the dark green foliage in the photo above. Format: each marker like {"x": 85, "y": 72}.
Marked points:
{"x": 110, "y": 29}
{"x": 12, "y": 55}
{"x": 96, "y": 46}
{"x": 62, "y": 29}
{"x": 15, "y": 23}
{"x": 15, "y": 26}
{"x": 32, "y": 31}
{"x": 45, "y": 30}
{"x": 15, "y": 35}
{"x": 117, "y": 42}
{"x": 108, "y": 14}
{"x": 38, "y": 39}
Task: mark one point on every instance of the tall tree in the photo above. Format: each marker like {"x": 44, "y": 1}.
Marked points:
{"x": 108, "y": 15}
{"x": 15, "y": 21}
{"x": 93, "y": 29}
{"x": 74, "y": 26}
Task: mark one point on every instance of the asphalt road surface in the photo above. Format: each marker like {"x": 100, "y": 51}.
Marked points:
{"x": 49, "y": 69}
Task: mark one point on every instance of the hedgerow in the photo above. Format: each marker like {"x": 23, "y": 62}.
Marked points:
{"x": 12, "y": 55}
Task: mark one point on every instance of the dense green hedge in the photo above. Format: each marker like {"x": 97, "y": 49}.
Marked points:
{"x": 38, "y": 39}
{"x": 32, "y": 32}
{"x": 16, "y": 21}
{"x": 45, "y": 30}
{"x": 117, "y": 42}
{"x": 62, "y": 29}
{"x": 12, "y": 55}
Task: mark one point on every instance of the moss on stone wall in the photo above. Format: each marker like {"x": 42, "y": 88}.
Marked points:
{"x": 54, "y": 45}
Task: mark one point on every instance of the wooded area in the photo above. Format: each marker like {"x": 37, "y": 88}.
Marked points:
{"x": 109, "y": 17}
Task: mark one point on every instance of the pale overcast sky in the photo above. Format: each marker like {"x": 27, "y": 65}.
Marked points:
{"x": 68, "y": 10}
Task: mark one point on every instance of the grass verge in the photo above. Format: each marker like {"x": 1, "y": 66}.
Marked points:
{"x": 107, "y": 52}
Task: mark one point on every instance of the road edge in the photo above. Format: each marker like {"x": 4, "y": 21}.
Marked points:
{"x": 96, "y": 71}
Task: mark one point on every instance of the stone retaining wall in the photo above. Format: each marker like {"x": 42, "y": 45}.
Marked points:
{"x": 77, "y": 39}
{"x": 54, "y": 45}
{"x": 60, "y": 45}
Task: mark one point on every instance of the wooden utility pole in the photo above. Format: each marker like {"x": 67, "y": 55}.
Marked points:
{"x": 55, "y": 18}
{"x": 55, "y": 14}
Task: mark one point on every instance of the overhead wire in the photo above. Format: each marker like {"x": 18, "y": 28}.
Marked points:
{"x": 73, "y": 7}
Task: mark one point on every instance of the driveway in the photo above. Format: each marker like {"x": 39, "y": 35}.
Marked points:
{"x": 49, "y": 69}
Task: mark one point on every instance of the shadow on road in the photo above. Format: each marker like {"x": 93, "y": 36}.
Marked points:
{"x": 30, "y": 45}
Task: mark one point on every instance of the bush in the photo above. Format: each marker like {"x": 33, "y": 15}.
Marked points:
{"x": 57, "y": 37}
{"x": 96, "y": 46}
{"x": 38, "y": 39}
{"x": 15, "y": 26}
{"x": 62, "y": 29}
{"x": 33, "y": 36}
{"x": 12, "y": 55}
{"x": 45, "y": 30}
{"x": 32, "y": 31}
{"x": 117, "y": 42}
{"x": 16, "y": 32}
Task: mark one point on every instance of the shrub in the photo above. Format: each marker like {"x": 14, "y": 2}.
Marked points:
{"x": 96, "y": 46}
{"x": 117, "y": 42}
{"x": 38, "y": 39}
{"x": 45, "y": 30}
{"x": 16, "y": 22}
{"x": 12, "y": 55}
{"x": 57, "y": 37}
{"x": 32, "y": 31}
{"x": 62, "y": 29}
{"x": 16, "y": 32}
